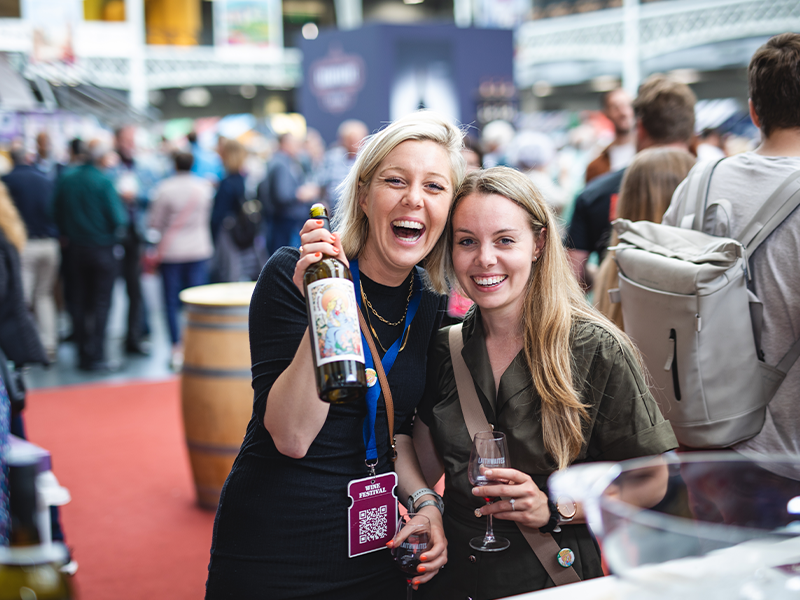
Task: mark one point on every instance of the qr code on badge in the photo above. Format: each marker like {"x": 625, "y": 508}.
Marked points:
{"x": 373, "y": 524}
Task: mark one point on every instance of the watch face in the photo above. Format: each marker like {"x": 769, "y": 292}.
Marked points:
{"x": 566, "y": 507}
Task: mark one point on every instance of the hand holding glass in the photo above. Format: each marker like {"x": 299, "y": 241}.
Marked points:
{"x": 415, "y": 532}
{"x": 489, "y": 451}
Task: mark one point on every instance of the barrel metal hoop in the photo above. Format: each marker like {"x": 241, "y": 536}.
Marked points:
{"x": 231, "y": 326}
{"x": 200, "y": 309}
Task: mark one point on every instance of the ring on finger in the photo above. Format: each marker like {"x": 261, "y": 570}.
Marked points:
{"x": 512, "y": 504}
{"x": 301, "y": 249}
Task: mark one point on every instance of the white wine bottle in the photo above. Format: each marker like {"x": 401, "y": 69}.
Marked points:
{"x": 336, "y": 345}
{"x": 28, "y": 568}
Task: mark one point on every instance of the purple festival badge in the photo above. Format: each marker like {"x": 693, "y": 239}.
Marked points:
{"x": 372, "y": 518}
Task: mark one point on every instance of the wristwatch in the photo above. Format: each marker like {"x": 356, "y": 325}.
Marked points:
{"x": 566, "y": 508}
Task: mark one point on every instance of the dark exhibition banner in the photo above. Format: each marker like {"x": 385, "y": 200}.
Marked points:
{"x": 381, "y": 72}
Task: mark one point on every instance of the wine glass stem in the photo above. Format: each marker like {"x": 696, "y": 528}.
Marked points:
{"x": 489, "y": 537}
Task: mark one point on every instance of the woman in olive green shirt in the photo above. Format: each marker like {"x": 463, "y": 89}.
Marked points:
{"x": 556, "y": 377}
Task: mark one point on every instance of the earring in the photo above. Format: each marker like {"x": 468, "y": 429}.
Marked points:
{"x": 535, "y": 258}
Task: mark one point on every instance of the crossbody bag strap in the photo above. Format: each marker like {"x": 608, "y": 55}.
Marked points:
{"x": 542, "y": 544}
{"x": 387, "y": 393}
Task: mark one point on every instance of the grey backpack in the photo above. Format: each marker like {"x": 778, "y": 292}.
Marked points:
{"x": 687, "y": 306}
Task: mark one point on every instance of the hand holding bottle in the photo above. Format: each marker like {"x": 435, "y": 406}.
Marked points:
{"x": 316, "y": 243}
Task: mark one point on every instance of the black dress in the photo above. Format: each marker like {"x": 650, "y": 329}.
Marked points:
{"x": 281, "y": 526}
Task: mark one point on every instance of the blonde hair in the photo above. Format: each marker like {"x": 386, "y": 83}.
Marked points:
{"x": 645, "y": 194}
{"x": 350, "y": 220}
{"x": 10, "y": 221}
{"x": 233, "y": 156}
{"x": 553, "y": 302}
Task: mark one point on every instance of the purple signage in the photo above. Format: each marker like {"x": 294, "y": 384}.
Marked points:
{"x": 336, "y": 79}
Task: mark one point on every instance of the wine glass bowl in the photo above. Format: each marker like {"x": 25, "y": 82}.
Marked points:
{"x": 412, "y": 540}
{"x": 489, "y": 451}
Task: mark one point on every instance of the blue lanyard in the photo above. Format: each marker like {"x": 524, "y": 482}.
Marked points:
{"x": 374, "y": 392}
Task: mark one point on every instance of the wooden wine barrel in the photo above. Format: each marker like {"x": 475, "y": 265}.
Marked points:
{"x": 216, "y": 395}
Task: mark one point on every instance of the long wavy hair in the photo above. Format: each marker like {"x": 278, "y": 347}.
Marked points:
{"x": 10, "y": 220}
{"x": 553, "y": 302}
{"x": 645, "y": 194}
{"x": 350, "y": 220}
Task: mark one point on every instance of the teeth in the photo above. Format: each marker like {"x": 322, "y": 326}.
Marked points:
{"x": 487, "y": 281}
{"x": 407, "y": 224}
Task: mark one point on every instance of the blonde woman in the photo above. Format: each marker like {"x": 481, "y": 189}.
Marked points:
{"x": 645, "y": 194}
{"x": 283, "y": 523}
{"x": 559, "y": 380}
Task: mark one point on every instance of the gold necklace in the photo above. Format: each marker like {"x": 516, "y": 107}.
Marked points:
{"x": 408, "y": 301}
{"x": 375, "y": 333}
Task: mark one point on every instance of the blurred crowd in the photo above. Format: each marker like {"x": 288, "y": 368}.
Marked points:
{"x": 199, "y": 209}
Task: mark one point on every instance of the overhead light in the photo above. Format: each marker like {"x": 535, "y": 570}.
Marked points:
{"x": 604, "y": 83}
{"x": 686, "y": 76}
{"x": 310, "y": 31}
{"x": 542, "y": 89}
{"x": 248, "y": 91}
{"x": 196, "y": 96}
{"x": 413, "y": 1}
{"x": 155, "y": 97}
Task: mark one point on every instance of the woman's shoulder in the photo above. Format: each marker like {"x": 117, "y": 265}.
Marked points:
{"x": 594, "y": 337}
{"x": 277, "y": 273}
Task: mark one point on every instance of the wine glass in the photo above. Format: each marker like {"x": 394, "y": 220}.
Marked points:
{"x": 489, "y": 451}
{"x": 408, "y": 552}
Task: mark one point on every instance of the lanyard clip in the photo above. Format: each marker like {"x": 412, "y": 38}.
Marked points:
{"x": 371, "y": 466}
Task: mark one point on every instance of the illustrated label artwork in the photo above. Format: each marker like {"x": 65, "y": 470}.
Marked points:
{"x": 372, "y": 518}
{"x": 334, "y": 320}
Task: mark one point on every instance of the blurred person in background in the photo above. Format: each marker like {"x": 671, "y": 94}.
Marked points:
{"x": 746, "y": 181}
{"x": 472, "y": 153}
{"x": 77, "y": 156}
{"x": 709, "y": 145}
{"x": 340, "y": 159}
{"x": 664, "y": 111}
{"x": 32, "y": 193}
{"x": 618, "y": 108}
{"x": 645, "y": 193}
{"x": 45, "y": 161}
{"x": 287, "y": 195}
{"x": 134, "y": 181}
{"x": 495, "y": 136}
{"x": 207, "y": 164}
{"x": 234, "y": 259}
{"x": 90, "y": 215}
{"x": 180, "y": 213}
{"x": 313, "y": 154}
{"x": 532, "y": 153}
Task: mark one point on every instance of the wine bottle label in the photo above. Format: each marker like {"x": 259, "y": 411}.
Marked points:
{"x": 334, "y": 321}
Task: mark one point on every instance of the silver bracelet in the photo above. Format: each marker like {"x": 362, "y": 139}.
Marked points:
{"x": 424, "y": 492}
{"x": 437, "y": 504}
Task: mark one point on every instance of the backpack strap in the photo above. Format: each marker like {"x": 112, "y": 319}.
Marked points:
{"x": 699, "y": 185}
{"x": 772, "y": 213}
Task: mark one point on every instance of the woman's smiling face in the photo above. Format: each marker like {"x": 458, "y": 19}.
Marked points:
{"x": 406, "y": 204}
{"x": 493, "y": 251}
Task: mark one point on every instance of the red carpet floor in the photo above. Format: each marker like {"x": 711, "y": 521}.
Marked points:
{"x": 133, "y": 524}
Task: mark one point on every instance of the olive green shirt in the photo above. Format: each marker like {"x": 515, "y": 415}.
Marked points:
{"x": 624, "y": 422}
